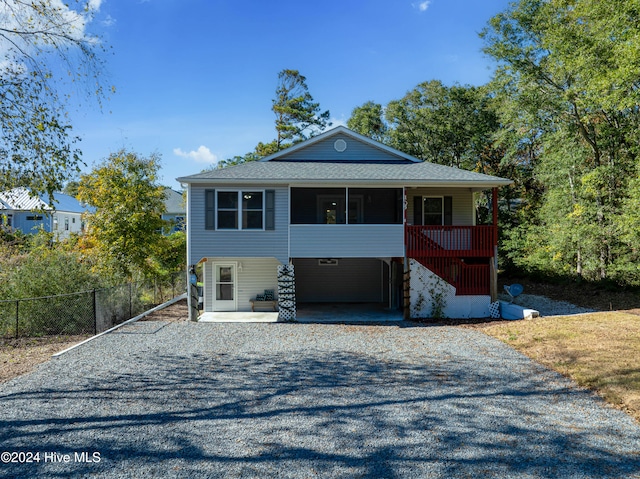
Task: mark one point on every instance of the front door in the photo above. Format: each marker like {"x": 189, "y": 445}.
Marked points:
{"x": 224, "y": 293}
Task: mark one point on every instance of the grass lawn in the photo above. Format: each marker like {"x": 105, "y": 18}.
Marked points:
{"x": 599, "y": 351}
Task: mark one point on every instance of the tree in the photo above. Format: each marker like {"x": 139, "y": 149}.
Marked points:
{"x": 297, "y": 116}
{"x": 368, "y": 120}
{"x": 126, "y": 225}
{"x": 447, "y": 125}
{"x": 565, "y": 68}
{"x": 45, "y": 51}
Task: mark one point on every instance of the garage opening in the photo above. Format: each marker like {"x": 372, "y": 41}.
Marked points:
{"x": 348, "y": 280}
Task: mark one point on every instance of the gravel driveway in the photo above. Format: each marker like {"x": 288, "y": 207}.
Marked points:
{"x": 158, "y": 399}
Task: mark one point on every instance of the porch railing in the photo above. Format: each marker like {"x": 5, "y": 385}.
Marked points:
{"x": 450, "y": 241}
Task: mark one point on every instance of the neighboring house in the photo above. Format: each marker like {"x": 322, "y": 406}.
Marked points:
{"x": 21, "y": 211}
{"x": 174, "y": 210}
{"x": 358, "y": 220}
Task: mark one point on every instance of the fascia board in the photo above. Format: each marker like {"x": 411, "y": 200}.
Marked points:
{"x": 265, "y": 182}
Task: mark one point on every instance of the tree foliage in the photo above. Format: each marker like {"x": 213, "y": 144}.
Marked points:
{"x": 569, "y": 92}
{"x": 125, "y": 229}
{"x": 38, "y": 266}
{"x": 368, "y": 120}
{"x": 298, "y": 117}
{"x": 45, "y": 52}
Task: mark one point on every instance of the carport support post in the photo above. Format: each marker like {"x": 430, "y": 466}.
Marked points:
{"x": 193, "y": 302}
{"x": 406, "y": 290}
{"x": 493, "y": 262}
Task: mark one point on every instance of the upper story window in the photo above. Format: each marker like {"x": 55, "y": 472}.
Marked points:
{"x": 235, "y": 210}
{"x": 252, "y": 210}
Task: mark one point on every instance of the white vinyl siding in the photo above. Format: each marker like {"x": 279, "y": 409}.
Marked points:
{"x": 253, "y": 276}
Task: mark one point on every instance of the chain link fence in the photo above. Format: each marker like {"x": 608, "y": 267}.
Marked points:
{"x": 86, "y": 312}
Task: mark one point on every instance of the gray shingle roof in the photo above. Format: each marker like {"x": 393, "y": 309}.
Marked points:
{"x": 399, "y": 169}
{"x": 279, "y": 172}
{"x": 173, "y": 202}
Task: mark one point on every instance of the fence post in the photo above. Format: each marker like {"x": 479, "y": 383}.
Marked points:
{"x": 130, "y": 300}
{"x": 17, "y": 315}
{"x": 95, "y": 313}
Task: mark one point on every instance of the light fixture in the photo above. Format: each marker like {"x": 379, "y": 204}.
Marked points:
{"x": 240, "y": 267}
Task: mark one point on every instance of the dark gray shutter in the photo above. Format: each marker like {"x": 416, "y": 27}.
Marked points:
{"x": 209, "y": 209}
{"x": 448, "y": 210}
{"x": 417, "y": 210}
{"x": 270, "y": 210}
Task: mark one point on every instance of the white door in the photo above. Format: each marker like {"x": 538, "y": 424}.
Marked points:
{"x": 224, "y": 292}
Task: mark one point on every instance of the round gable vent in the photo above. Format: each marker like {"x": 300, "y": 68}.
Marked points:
{"x": 340, "y": 145}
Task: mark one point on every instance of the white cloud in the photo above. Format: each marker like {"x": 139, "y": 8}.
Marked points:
{"x": 335, "y": 122}
{"x": 109, "y": 21}
{"x": 59, "y": 20}
{"x": 201, "y": 155}
{"x": 94, "y": 5}
{"x": 422, "y": 6}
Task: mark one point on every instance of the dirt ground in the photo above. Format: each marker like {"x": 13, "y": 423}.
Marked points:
{"x": 174, "y": 313}
{"x": 21, "y": 355}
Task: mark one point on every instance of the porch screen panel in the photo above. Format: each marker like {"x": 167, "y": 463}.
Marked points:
{"x": 312, "y": 206}
{"x": 379, "y": 206}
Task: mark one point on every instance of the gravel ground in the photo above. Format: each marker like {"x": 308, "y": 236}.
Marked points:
{"x": 183, "y": 399}
{"x": 546, "y": 306}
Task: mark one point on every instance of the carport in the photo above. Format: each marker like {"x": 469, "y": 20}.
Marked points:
{"x": 348, "y": 281}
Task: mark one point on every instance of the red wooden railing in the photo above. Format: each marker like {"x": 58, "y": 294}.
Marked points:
{"x": 443, "y": 250}
{"x": 468, "y": 279}
{"x": 450, "y": 241}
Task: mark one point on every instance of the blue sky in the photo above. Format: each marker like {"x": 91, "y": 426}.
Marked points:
{"x": 194, "y": 79}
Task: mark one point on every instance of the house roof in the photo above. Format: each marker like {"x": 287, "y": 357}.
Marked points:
{"x": 173, "y": 203}
{"x": 22, "y": 200}
{"x": 399, "y": 169}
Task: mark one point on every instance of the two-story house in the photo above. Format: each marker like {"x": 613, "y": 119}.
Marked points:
{"x": 358, "y": 220}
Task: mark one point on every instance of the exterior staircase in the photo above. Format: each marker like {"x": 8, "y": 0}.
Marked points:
{"x": 460, "y": 255}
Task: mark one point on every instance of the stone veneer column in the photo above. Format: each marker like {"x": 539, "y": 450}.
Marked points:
{"x": 286, "y": 292}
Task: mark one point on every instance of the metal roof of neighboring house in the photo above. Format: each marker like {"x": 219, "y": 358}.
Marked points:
{"x": 173, "y": 203}
{"x": 275, "y": 169}
{"x": 21, "y": 199}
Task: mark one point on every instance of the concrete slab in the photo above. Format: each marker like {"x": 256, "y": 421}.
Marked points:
{"x": 313, "y": 313}
{"x": 346, "y": 313}
{"x": 239, "y": 317}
